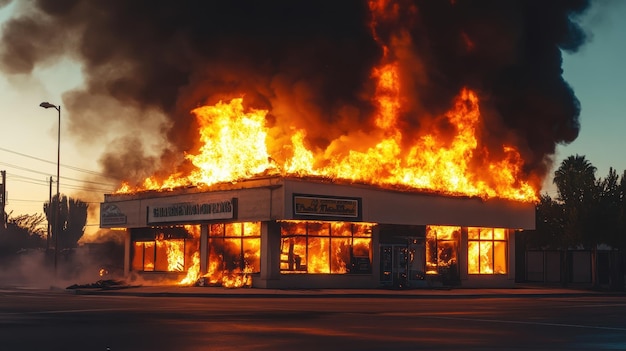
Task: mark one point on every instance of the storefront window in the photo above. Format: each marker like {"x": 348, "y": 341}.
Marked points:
{"x": 234, "y": 248}
{"x": 442, "y": 249}
{"x": 325, "y": 247}
{"x": 170, "y": 255}
{"x": 143, "y": 256}
{"x": 486, "y": 250}
{"x": 163, "y": 249}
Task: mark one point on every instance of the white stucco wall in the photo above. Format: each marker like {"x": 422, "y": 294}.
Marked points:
{"x": 273, "y": 200}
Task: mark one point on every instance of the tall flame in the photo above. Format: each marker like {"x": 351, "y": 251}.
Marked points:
{"x": 235, "y": 148}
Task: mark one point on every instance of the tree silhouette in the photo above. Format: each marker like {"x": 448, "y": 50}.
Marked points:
{"x": 22, "y": 232}
{"x": 619, "y": 240}
{"x": 576, "y": 184}
{"x": 75, "y": 223}
{"x": 72, "y": 219}
{"x": 606, "y": 212}
{"x": 586, "y": 213}
{"x": 549, "y": 224}
{"x": 574, "y": 180}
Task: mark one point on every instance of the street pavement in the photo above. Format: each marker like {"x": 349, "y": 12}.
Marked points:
{"x": 439, "y": 293}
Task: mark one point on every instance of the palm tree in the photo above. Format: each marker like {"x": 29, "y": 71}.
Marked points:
{"x": 576, "y": 184}
{"x": 574, "y": 178}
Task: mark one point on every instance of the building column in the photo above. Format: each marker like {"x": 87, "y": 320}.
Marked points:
{"x": 511, "y": 248}
{"x": 127, "y": 252}
{"x": 462, "y": 256}
{"x": 204, "y": 230}
{"x": 376, "y": 253}
{"x": 270, "y": 250}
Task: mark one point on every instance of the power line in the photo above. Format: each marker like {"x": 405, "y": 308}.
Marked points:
{"x": 46, "y": 174}
{"x": 23, "y": 179}
{"x": 68, "y": 182}
{"x": 63, "y": 165}
{"x": 23, "y": 168}
{"x": 23, "y": 200}
{"x": 45, "y": 183}
{"x": 42, "y": 183}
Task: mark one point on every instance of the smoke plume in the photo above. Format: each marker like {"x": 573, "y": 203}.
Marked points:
{"x": 147, "y": 64}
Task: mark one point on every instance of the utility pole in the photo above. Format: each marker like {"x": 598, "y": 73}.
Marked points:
{"x": 57, "y": 230}
{"x": 3, "y": 199}
{"x": 48, "y": 216}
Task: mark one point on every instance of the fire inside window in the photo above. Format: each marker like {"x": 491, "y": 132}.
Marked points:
{"x": 487, "y": 251}
{"x": 325, "y": 247}
{"x": 442, "y": 249}
{"x": 165, "y": 249}
{"x": 234, "y": 248}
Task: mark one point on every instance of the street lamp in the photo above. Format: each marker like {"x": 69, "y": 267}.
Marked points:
{"x": 58, "y": 202}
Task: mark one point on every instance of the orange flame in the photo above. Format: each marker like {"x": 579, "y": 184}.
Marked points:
{"x": 441, "y": 247}
{"x": 487, "y": 256}
{"x": 193, "y": 273}
{"x": 320, "y": 251}
{"x": 221, "y": 255}
{"x": 430, "y": 163}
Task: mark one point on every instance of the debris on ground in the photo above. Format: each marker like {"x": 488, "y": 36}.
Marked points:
{"x": 104, "y": 284}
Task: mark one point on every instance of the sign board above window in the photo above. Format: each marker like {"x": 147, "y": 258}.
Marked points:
{"x": 192, "y": 212}
{"x": 326, "y": 207}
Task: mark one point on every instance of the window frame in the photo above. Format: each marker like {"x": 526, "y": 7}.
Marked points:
{"x": 243, "y": 236}
{"x": 494, "y": 240}
{"x": 325, "y": 232}
{"x": 151, "y": 237}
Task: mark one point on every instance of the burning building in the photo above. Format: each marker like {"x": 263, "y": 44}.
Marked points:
{"x": 281, "y": 232}
{"x": 394, "y": 213}
{"x": 428, "y": 212}
{"x": 402, "y": 143}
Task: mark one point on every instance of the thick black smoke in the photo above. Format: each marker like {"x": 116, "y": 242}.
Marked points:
{"x": 509, "y": 52}
{"x": 175, "y": 55}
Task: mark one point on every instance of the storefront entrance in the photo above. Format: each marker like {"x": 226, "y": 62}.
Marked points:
{"x": 393, "y": 266}
{"x": 402, "y": 265}
{"x": 402, "y": 256}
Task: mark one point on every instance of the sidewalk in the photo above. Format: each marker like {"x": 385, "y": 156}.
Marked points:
{"x": 441, "y": 293}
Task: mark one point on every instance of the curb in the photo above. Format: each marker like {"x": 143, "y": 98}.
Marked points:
{"x": 405, "y": 294}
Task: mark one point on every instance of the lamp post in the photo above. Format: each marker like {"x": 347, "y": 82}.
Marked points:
{"x": 58, "y": 202}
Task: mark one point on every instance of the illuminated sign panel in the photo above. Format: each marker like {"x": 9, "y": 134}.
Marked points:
{"x": 318, "y": 206}
{"x": 191, "y": 211}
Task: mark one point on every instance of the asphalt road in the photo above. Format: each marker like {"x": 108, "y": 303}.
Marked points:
{"x": 59, "y": 320}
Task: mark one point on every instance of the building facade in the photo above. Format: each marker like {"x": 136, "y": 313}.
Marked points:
{"x": 279, "y": 232}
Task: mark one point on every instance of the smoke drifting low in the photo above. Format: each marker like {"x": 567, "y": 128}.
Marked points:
{"x": 307, "y": 61}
